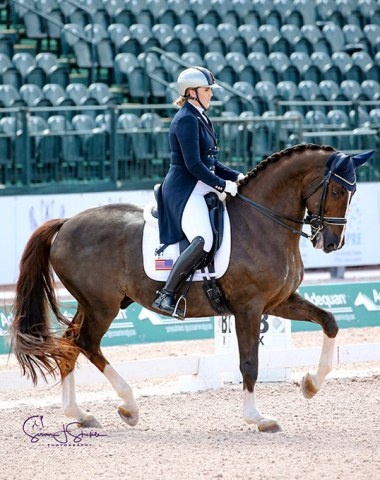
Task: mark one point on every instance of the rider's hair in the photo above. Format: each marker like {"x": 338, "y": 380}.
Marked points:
{"x": 181, "y": 100}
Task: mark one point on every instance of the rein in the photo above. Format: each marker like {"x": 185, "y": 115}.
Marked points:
{"x": 316, "y": 221}
{"x": 268, "y": 212}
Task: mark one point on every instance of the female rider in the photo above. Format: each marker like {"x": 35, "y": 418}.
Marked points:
{"x": 194, "y": 171}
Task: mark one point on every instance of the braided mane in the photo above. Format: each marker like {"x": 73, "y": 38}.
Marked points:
{"x": 275, "y": 157}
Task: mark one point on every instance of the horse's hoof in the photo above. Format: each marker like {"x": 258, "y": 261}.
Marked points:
{"x": 128, "y": 417}
{"x": 89, "y": 422}
{"x": 307, "y": 386}
{"x": 270, "y": 426}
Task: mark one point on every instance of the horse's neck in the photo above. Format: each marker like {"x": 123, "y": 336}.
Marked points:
{"x": 279, "y": 187}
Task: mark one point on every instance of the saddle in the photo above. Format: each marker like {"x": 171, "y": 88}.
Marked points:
{"x": 211, "y": 285}
{"x": 215, "y": 208}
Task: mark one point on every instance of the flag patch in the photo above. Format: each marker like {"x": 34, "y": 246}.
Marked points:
{"x": 163, "y": 264}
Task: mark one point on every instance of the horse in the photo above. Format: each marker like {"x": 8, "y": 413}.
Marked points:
{"x": 97, "y": 256}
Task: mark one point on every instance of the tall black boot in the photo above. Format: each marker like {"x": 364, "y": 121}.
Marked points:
{"x": 186, "y": 263}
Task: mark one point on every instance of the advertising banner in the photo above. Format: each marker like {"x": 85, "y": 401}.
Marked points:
{"x": 21, "y": 215}
{"x": 352, "y": 304}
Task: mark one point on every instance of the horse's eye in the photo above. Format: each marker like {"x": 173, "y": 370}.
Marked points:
{"x": 337, "y": 192}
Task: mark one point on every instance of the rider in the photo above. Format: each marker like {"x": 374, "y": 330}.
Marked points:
{"x": 194, "y": 171}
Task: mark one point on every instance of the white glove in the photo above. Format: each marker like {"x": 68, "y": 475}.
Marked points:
{"x": 241, "y": 177}
{"x": 231, "y": 188}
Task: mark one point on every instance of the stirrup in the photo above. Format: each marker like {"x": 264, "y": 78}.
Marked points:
{"x": 178, "y": 313}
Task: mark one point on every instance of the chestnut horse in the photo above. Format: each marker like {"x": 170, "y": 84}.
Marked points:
{"x": 97, "y": 256}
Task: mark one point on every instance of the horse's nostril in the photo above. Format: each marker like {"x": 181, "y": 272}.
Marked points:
{"x": 331, "y": 247}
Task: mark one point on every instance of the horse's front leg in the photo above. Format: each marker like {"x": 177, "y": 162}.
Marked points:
{"x": 248, "y": 334}
{"x": 297, "y": 308}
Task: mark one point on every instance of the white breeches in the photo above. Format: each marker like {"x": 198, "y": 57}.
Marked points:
{"x": 195, "y": 219}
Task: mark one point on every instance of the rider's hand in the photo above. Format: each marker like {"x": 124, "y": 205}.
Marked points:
{"x": 231, "y": 188}
{"x": 241, "y": 177}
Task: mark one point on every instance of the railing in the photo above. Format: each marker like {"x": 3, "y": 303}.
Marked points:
{"x": 111, "y": 151}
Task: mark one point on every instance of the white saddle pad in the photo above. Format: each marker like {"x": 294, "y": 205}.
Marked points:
{"x": 157, "y": 267}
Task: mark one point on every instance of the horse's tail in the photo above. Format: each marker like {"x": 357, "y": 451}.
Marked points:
{"x": 37, "y": 348}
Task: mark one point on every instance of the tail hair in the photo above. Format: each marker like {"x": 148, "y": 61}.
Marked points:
{"x": 38, "y": 348}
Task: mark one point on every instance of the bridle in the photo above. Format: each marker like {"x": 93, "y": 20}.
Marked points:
{"x": 315, "y": 220}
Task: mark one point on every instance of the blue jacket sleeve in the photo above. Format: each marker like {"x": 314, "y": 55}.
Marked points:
{"x": 189, "y": 141}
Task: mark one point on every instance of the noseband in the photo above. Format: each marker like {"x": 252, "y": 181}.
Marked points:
{"x": 315, "y": 220}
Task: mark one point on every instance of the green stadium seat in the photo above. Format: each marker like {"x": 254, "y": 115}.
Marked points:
{"x": 372, "y": 34}
{"x": 288, "y": 90}
{"x": 117, "y": 32}
{"x": 309, "y": 90}
{"x": 330, "y": 90}
{"x": 191, "y": 58}
{"x": 244, "y": 71}
{"x": 300, "y": 60}
{"x": 23, "y": 61}
{"x": 280, "y": 62}
{"x": 249, "y": 33}
{"x": 100, "y": 92}
{"x": 78, "y": 92}
{"x": 80, "y": 17}
{"x": 5, "y": 63}
{"x": 359, "y": 117}
{"x": 371, "y": 89}
{"x": 334, "y": 36}
{"x": 291, "y": 33}
{"x": 210, "y": 39}
{"x": 93, "y": 141}
{"x": 33, "y": 96}
{"x": 156, "y": 74}
{"x": 57, "y": 95}
{"x": 351, "y": 89}
{"x": 167, "y": 39}
{"x": 10, "y": 96}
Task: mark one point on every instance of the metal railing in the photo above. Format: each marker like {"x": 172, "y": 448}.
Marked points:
{"x": 113, "y": 150}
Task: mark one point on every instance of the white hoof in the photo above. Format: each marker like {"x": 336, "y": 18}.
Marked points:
{"x": 129, "y": 417}
{"x": 89, "y": 421}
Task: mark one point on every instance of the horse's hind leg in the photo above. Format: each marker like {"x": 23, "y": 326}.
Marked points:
{"x": 87, "y": 337}
{"x": 297, "y": 308}
{"x": 69, "y": 402}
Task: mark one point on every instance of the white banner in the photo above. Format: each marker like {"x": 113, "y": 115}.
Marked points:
{"x": 362, "y": 234}
{"x": 21, "y": 215}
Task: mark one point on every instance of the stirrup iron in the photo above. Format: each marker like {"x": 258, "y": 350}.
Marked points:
{"x": 177, "y": 312}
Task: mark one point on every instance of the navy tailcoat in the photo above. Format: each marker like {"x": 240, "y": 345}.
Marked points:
{"x": 193, "y": 157}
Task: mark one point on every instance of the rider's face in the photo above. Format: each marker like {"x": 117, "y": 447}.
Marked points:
{"x": 204, "y": 95}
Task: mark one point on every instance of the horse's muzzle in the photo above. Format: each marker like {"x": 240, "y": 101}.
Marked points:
{"x": 328, "y": 242}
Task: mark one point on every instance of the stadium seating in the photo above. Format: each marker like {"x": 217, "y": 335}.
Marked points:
{"x": 77, "y": 52}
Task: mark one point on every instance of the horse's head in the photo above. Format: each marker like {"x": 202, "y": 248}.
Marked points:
{"x": 328, "y": 203}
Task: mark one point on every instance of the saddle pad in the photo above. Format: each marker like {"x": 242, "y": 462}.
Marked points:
{"x": 157, "y": 267}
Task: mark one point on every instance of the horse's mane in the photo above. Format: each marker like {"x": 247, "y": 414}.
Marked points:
{"x": 275, "y": 157}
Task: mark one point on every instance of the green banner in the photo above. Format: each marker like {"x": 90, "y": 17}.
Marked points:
{"x": 135, "y": 325}
{"x": 352, "y": 304}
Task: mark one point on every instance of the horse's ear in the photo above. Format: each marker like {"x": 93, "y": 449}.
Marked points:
{"x": 362, "y": 158}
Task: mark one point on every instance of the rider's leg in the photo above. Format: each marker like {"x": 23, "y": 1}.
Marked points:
{"x": 186, "y": 263}
{"x": 196, "y": 226}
